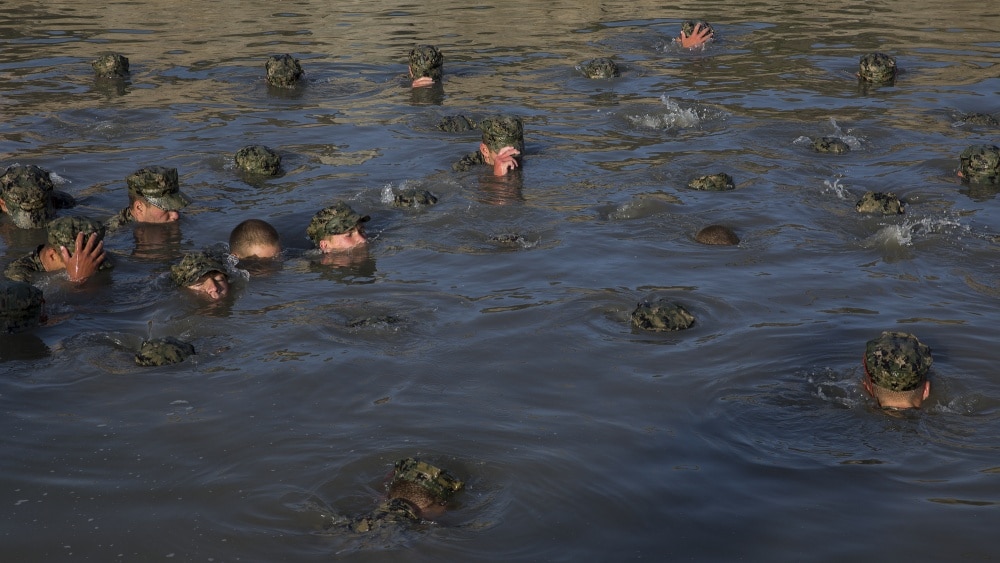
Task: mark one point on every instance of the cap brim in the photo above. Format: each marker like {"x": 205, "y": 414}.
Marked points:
{"x": 171, "y": 202}
{"x": 31, "y": 219}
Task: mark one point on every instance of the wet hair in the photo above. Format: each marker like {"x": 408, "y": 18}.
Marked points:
{"x": 249, "y": 233}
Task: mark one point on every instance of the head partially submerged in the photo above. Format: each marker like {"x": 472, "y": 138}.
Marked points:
{"x": 202, "y": 274}
{"x": 155, "y": 195}
{"x": 422, "y": 485}
{"x": 26, "y": 195}
{"x": 20, "y": 306}
{"x": 896, "y": 366}
{"x": 877, "y": 68}
{"x": 337, "y": 228}
{"x": 254, "y": 238}
{"x": 426, "y": 65}
{"x": 980, "y": 164}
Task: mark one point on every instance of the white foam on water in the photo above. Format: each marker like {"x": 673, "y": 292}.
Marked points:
{"x": 904, "y": 233}
{"x": 675, "y": 117}
{"x": 836, "y": 187}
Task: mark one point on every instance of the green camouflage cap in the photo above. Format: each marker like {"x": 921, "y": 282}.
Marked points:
{"x": 897, "y": 361}
{"x": 159, "y": 186}
{"x": 258, "y": 159}
{"x": 111, "y": 65}
{"x": 880, "y": 203}
{"x": 975, "y": 118}
{"x": 63, "y": 230}
{"x": 457, "y": 124}
{"x": 283, "y": 70}
{"x": 688, "y": 26}
{"x": 426, "y": 60}
{"x": 720, "y": 182}
{"x": 27, "y": 191}
{"x": 600, "y": 68}
{"x": 412, "y": 197}
{"x": 20, "y": 306}
{"x": 503, "y": 131}
{"x": 337, "y": 219}
{"x": 163, "y": 352}
{"x": 436, "y": 481}
{"x": 193, "y": 267}
{"x": 981, "y": 164}
{"x": 878, "y": 68}
{"x": 661, "y": 316}
{"x": 831, "y": 145}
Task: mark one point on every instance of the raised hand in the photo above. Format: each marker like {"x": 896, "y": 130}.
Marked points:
{"x": 505, "y": 161}
{"x": 87, "y": 257}
{"x": 699, "y": 36}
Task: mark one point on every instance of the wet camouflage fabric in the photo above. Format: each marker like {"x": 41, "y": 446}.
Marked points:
{"x": 123, "y": 218}
{"x": 159, "y": 186}
{"x": 877, "y": 68}
{"x": 414, "y": 198}
{"x": 26, "y": 267}
{"x": 503, "y": 131}
{"x": 163, "y": 352}
{"x": 20, "y": 306}
{"x": 879, "y": 203}
{"x": 439, "y": 483}
{"x": 375, "y": 320}
{"x": 600, "y": 68}
{"x": 457, "y": 124}
{"x": 387, "y": 517}
{"x": 661, "y": 316}
{"x": 717, "y": 235}
{"x": 337, "y": 219}
{"x": 28, "y": 192}
{"x": 283, "y": 71}
{"x": 980, "y": 119}
{"x": 981, "y": 164}
{"x": 688, "y": 27}
{"x": 63, "y": 231}
{"x": 468, "y": 162}
{"x": 830, "y": 145}
{"x": 713, "y": 182}
{"x": 426, "y": 60}
{"x": 110, "y": 66}
{"x": 897, "y": 361}
{"x": 258, "y": 159}
{"x": 194, "y": 266}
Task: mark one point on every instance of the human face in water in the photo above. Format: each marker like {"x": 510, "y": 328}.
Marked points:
{"x": 145, "y": 212}
{"x": 213, "y": 285}
{"x": 344, "y": 241}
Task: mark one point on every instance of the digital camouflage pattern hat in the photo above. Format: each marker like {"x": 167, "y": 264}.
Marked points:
{"x": 163, "y": 352}
{"x": 337, "y": 219}
{"x": 111, "y": 65}
{"x": 283, "y": 71}
{"x": 600, "y": 68}
{"x": 159, "y": 186}
{"x": 897, "y": 361}
{"x": 27, "y": 190}
{"x": 688, "y": 27}
{"x": 426, "y": 60}
{"x": 258, "y": 159}
{"x": 877, "y": 68}
{"x": 20, "y": 306}
{"x": 661, "y": 316}
{"x": 831, "y": 145}
{"x": 193, "y": 267}
{"x": 63, "y": 230}
{"x": 720, "y": 182}
{"x": 412, "y": 197}
{"x": 436, "y": 481}
{"x": 980, "y": 164}
{"x": 879, "y": 203}
{"x": 503, "y": 131}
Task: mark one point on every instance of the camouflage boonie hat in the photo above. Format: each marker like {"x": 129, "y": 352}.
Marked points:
{"x": 980, "y": 119}
{"x": 831, "y": 145}
{"x": 283, "y": 70}
{"x": 981, "y": 164}
{"x": 163, "y": 352}
{"x": 111, "y": 66}
{"x": 193, "y": 266}
{"x": 457, "y": 124}
{"x": 20, "y": 306}
{"x": 688, "y": 27}
{"x": 897, "y": 361}
{"x": 878, "y": 202}
{"x": 600, "y": 68}
{"x": 503, "y": 131}
{"x": 436, "y": 481}
{"x": 159, "y": 186}
{"x": 878, "y": 68}
{"x": 426, "y": 60}
{"x": 414, "y": 198}
{"x": 661, "y": 316}
{"x": 337, "y": 219}
{"x": 713, "y": 182}
{"x": 63, "y": 230}
{"x": 258, "y": 159}
{"x": 27, "y": 191}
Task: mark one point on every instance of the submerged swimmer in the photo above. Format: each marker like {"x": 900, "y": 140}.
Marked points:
{"x": 201, "y": 274}
{"x": 501, "y": 146}
{"x": 694, "y": 34}
{"x": 896, "y": 366}
{"x": 426, "y": 65}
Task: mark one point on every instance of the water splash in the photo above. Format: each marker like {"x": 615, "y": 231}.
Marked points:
{"x": 675, "y": 117}
{"x": 838, "y": 188}
{"x": 904, "y": 233}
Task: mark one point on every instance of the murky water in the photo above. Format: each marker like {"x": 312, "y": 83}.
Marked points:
{"x": 511, "y": 362}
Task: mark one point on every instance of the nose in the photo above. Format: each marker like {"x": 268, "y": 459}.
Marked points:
{"x": 173, "y": 216}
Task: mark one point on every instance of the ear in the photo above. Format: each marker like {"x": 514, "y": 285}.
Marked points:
{"x": 3, "y": 206}
{"x": 485, "y": 150}
{"x": 927, "y": 389}
{"x": 50, "y": 255}
{"x": 138, "y": 206}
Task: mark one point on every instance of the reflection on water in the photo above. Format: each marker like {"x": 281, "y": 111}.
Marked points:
{"x": 490, "y": 331}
